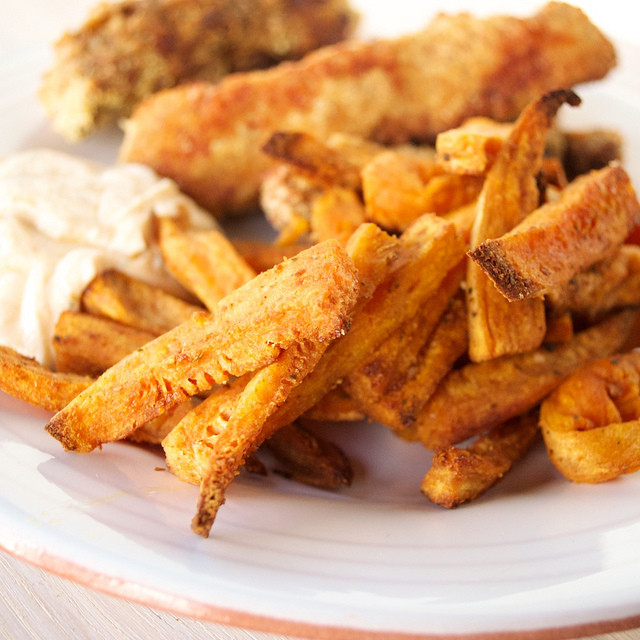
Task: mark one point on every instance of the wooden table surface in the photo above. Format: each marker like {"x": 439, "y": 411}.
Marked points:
{"x": 39, "y": 605}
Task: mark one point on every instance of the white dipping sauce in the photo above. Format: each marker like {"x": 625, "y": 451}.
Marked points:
{"x": 62, "y": 221}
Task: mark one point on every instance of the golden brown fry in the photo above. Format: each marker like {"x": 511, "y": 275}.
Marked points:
{"x": 591, "y": 423}
{"x": 481, "y": 395}
{"x": 609, "y": 284}
{"x": 510, "y": 193}
{"x": 313, "y": 158}
{"x": 335, "y": 406}
{"x": 336, "y": 213}
{"x": 461, "y": 475}
{"x": 133, "y": 48}
{"x": 592, "y": 218}
{"x": 132, "y": 302}
{"x": 245, "y": 429}
{"x": 28, "y": 380}
{"x": 156, "y": 430}
{"x": 208, "y": 137}
{"x": 89, "y": 345}
{"x": 427, "y": 268}
{"x": 310, "y": 458}
{"x": 204, "y": 262}
{"x": 308, "y": 297}
{"x": 400, "y": 403}
{"x": 471, "y": 148}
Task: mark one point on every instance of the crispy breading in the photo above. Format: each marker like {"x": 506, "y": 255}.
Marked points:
{"x": 130, "y": 49}
{"x": 208, "y": 137}
{"x": 308, "y": 297}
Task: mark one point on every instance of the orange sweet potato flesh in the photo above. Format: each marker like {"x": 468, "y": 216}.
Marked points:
{"x": 307, "y": 297}
{"x": 591, "y": 423}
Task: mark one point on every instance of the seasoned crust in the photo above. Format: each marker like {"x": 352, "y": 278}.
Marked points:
{"x": 208, "y": 138}
{"x": 130, "y": 49}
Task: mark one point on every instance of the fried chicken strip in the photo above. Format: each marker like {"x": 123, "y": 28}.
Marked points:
{"x": 208, "y": 137}
{"x": 130, "y": 49}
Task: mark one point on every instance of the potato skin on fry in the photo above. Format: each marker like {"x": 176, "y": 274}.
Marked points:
{"x": 591, "y": 423}
{"x": 208, "y": 137}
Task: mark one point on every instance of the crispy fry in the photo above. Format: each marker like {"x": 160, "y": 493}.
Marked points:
{"x": 244, "y": 432}
{"x": 204, "y": 262}
{"x": 132, "y": 302}
{"x": 312, "y": 157}
{"x": 309, "y": 458}
{"x": 591, "y": 423}
{"x": 207, "y": 137}
{"x": 336, "y": 213}
{"x": 28, "y": 380}
{"x": 594, "y": 215}
{"x": 154, "y": 431}
{"x": 400, "y": 402}
{"x": 335, "y": 406}
{"x": 249, "y": 329}
{"x": 509, "y": 194}
{"x": 481, "y": 395}
{"x": 427, "y": 268}
{"x": 89, "y": 345}
{"x": 471, "y": 148}
{"x": 261, "y": 256}
{"x": 461, "y": 475}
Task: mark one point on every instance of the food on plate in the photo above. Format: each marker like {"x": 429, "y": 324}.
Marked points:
{"x": 591, "y": 422}
{"x": 208, "y": 137}
{"x": 135, "y": 303}
{"x": 509, "y": 194}
{"x": 592, "y": 217}
{"x": 481, "y": 395}
{"x": 247, "y": 331}
{"x": 458, "y": 475}
{"x": 130, "y": 49}
{"x": 63, "y": 220}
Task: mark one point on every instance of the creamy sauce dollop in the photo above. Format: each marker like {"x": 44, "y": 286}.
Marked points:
{"x": 64, "y": 219}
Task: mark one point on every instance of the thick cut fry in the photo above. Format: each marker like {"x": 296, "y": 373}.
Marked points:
{"x": 481, "y": 395}
{"x": 312, "y": 157}
{"x": 461, "y": 475}
{"x": 594, "y": 215}
{"x": 244, "y": 432}
{"x": 399, "y": 404}
{"x": 609, "y": 284}
{"x": 591, "y": 423}
{"x": 204, "y": 262}
{"x": 309, "y": 458}
{"x": 428, "y": 268}
{"x": 509, "y": 194}
{"x": 308, "y": 297}
{"x": 335, "y": 406}
{"x": 336, "y": 213}
{"x": 471, "y": 148}
{"x": 261, "y": 256}
{"x": 132, "y": 302}
{"x": 28, "y": 380}
{"x": 89, "y": 345}
{"x": 208, "y": 137}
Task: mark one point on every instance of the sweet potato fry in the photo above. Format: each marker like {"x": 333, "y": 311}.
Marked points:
{"x": 244, "y": 431}
{"x": 609, "y": 284}
{"x": 261, "y": 256}
{"x": 509, "y": 194}
{"x": 28, "y": 380}
{"x": 335, "y": 406}
{"x": 132, "y": 302}
{"x": 204, "y": 262}
{"x": 399, "y": 404}
{"x": 591, "y": 422}
{"x": 308, "y": 297}
{"x": 460, "y": 475}
{"x": 471, "y": 148}
{"x": 481, "y": 395}
{"x": 89, "y": 345}
{"x": 336, "y": 213}
{"x": 558, "y": 240}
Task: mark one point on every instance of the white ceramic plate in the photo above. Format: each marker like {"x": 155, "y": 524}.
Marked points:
{"x": 536, "y": 553}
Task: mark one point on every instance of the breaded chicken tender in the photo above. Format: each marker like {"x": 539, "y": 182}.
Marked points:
{"x": 130, "y": 49}
{"x": 208, "y": 137}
